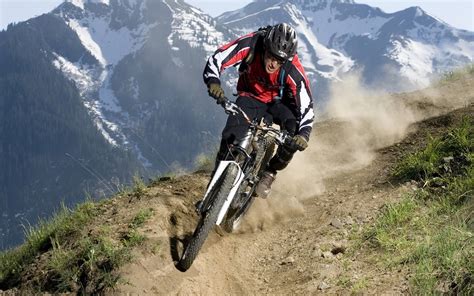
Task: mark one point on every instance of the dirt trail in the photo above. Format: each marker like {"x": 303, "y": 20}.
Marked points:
{"x": 299, "y": 240}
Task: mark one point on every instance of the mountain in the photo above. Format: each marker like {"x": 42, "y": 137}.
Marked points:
{"x": 50, "y": 151}
{"x": 134, "y": 87}
{"x": 393, "y": 51}
{"x": 98, "y": 90}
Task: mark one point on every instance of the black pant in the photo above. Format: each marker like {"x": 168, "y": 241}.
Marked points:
{"x": 236, "y": 128}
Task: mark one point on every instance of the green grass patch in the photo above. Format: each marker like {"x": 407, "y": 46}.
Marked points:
{"x": 88, "y": 267}
{"x": 39, "y": 240}
{"x": 205, "y": 163}
{"x": 444, "y": 157}
{"x": 359, "y": 286}
{"x": 70, "y": 257}
{"x": 395, "y": 228}
{"x": 431, "y": 230}
{"x": 138, "y": 187}
{"x": 458, "y": 74}
{"x": 141, "y": 217}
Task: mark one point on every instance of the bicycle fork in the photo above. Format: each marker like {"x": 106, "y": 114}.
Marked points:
{"x": 221, "y": 168}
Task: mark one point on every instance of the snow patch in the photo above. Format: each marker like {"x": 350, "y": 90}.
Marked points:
{"x": 195, "y": 29}
{"x": 309, "y": 46}
{"x": 337, "y": 27}
{"x": 80, "y": 3}
{"x": 106, "y": 45}
{"x": 80, "y": 74}
{"x": 103, "y": 125}
{"x": 415, "y": 59}
{"x": 87, "y": 40}
{"x": 108, "y": 101}
{"x": 85, "y": 80}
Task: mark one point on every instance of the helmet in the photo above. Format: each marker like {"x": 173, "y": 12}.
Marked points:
{"x": 281, "y": 41}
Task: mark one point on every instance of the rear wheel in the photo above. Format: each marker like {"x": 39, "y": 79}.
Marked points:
{"x": 209, "y": 217}
{"x": 235, "y": 214}
{"x": 269, "y": 151}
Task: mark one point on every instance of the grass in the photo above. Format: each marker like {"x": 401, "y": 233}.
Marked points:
{"x": 205, "y": 163}
{"x": 38, "y": 240}
{"x": 133, "y": 237}
{"x": 141, "y": 217}
{"x": 458, "y": 74}
{"x": 70, "y": 256}
{"x": 359, "y": 286}
{"x": 138, "y": 189}
{"x": 431, "y": 230}
{"x": 443, "y": 157}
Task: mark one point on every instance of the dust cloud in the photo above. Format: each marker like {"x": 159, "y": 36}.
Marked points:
{"x": 357, "y": 121}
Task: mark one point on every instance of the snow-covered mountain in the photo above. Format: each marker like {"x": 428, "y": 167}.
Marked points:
{"x": 144, "y": 53}
{"x": 101, "y": 89}
{"x": 406, "y": 48}
{"x": 143, "y": 48}
{"x": 109, "y": 87}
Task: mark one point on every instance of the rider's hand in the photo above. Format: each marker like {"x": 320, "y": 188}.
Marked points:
{"x": 300, "y": 142}
{"x": 268, "y": 119}
{"x": 216, "y": 91}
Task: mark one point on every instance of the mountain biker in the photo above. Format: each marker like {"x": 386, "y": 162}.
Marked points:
{"x": 271, "y": 81}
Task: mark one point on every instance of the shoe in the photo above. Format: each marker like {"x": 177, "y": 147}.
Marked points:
{"x": 265, "y": 185}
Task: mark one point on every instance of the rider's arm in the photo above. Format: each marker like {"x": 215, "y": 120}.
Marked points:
{"x": 301, "y": 89}
{"x": 226, "y": 56}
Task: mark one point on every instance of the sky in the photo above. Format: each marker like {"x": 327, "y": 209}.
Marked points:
{"x": 457, "y": 13}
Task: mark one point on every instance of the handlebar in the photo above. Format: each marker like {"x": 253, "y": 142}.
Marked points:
{"x": 231, "y": 108}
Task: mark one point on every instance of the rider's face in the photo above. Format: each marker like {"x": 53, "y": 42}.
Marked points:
{"x": 272, "y": 63}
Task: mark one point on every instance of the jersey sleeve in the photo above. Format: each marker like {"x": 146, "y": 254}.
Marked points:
{"x": 229, "y": 55}
{"x": 301, "y": 89}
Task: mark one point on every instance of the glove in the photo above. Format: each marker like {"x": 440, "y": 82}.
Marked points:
{"x": 267, "y": 119}
{"x": 216, "y": 91}
{"x": 300, "y": 142}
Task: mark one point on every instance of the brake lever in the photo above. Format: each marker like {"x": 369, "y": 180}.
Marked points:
{"x": 229, "y": 107}
{"x": 289, "y": 142}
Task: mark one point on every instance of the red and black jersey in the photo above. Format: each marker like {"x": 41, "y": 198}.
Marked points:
{"x": 255, "y": 82}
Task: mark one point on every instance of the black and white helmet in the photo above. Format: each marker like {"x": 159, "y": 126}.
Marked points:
{"x": 281, "y": 41}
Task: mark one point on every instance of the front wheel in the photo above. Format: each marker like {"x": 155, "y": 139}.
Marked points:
{"x": 208, "y": 219}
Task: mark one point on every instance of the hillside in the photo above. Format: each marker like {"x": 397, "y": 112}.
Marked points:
{"x": 305, "y": 239}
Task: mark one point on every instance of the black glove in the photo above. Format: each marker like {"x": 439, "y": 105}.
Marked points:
{"x": 267, "y": 119}
{"x": 216, "y": 91}
{"x": 300, "y": 142}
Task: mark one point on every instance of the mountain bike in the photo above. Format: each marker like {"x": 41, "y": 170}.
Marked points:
{"x": 231, "y": 190}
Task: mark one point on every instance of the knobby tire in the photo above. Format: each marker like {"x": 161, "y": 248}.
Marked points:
{"x": 208, "y": 218}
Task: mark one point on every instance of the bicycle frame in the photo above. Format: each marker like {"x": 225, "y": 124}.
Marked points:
{"x": 243, "y": 150}
{"x": 229, "y": 184}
